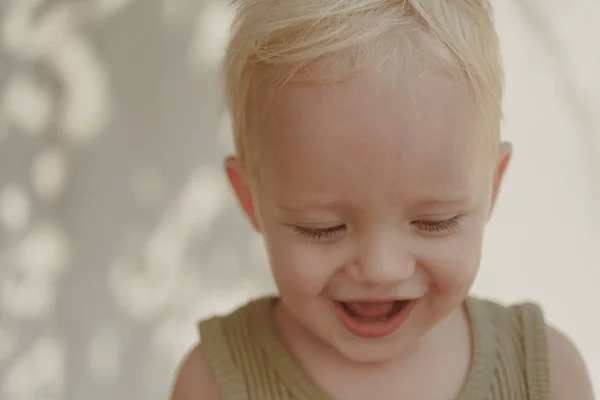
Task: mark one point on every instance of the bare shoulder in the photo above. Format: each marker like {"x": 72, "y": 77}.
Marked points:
{"x": 569, "y": 378}
{"x": 194, "y": 380}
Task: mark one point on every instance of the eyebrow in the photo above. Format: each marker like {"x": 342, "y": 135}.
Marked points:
{"x": 296, "y": 208}
{"x": 430, "y": 201}
{"x": 439, "y": 201}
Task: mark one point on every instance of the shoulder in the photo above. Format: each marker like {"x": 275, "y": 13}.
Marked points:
{"x": 194, "y": 379}
{"x": 569, "y": 377}
{"x": 553, "y": 361}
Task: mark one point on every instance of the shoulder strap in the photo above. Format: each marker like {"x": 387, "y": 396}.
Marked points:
{"x": 510, "y": 345}
{"x": 533, "y": 333}
{"x": 218, "y": 355}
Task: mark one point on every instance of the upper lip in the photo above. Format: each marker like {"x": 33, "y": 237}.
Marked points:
{"x": 374, "y": 300}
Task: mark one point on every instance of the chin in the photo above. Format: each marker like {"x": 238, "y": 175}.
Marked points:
{"x": 371, "y": 353}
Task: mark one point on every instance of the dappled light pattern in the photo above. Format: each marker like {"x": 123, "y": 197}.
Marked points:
{"x": 15, "y": 208}
{"x": 118, "y": 231}
{"x": 210, "y": 33}
{"x": 38, "y": 373}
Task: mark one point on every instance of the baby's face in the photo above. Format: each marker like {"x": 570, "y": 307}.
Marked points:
{"x": 369, "y": 194}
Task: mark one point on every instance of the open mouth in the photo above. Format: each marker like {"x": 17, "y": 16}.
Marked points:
{"x": 373, "y": 319}
{"x": 373, "y": 311}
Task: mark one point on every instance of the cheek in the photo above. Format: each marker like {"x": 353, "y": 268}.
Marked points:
{"x": 300, "y": 267}
{"x": 452, "y": 265}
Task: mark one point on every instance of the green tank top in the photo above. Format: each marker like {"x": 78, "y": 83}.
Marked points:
{"x": 251, "y": 362}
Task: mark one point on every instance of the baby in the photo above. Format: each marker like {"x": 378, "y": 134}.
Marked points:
{"x": 368, "y": 155}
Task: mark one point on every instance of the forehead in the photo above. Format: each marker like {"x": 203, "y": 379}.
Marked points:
{"x": 417, "y": 139}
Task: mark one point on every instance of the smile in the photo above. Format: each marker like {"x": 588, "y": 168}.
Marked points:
{"x": 373, "y": 319}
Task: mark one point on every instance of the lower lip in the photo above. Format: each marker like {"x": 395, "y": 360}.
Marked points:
{"x": 373, "y": 329}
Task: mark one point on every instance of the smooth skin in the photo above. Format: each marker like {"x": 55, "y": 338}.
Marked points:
{"x": 369, "y": 192}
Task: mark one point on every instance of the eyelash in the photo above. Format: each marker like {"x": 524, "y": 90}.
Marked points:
{"x": 448, "y": 225}
{"x": 319, "y": 234}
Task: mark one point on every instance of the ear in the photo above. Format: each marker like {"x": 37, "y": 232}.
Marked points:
{"x": 241, "y": 189}
{"x": 501, "y": 164}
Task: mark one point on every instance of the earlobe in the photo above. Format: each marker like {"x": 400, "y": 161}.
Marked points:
{"x": 241, "y": 189}
{"x": 504, "y": 156}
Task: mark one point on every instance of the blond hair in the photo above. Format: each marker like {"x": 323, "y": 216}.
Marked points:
{"x": 273, "y": 40}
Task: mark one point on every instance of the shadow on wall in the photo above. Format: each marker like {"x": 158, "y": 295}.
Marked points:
{"x": 117, "y": 229}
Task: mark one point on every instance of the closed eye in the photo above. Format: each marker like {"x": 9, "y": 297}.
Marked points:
{"x": 437, "y": 227}
{"x": 318, "y": 234}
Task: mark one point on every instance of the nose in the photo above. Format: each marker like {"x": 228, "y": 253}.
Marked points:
{"x": 385, "y": 260}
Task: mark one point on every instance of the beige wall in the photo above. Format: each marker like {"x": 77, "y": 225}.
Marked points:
{"x": 544, "y": 240}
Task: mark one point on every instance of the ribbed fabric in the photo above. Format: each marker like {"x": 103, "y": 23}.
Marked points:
{"x": 251, "y": 362}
